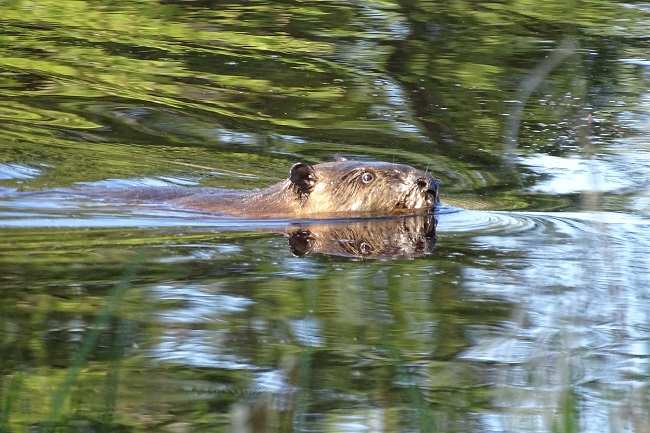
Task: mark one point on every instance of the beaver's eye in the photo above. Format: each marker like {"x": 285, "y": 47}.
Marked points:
{"x": 367, "y": 177}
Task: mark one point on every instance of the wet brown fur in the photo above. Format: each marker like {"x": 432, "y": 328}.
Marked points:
{"x": 339, "y": 188}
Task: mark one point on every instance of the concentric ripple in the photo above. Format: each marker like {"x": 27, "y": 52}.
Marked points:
{"x": 456, "y": 220}
{"x": 617, "y": 226}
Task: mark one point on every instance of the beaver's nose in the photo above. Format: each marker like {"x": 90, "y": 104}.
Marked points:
{"x": 423, "y": 183}
{"x": 428, "y": 185}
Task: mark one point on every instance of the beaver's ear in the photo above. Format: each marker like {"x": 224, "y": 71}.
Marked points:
{"x": 303, "y": 176}
{"x": 339, "y": 158}
{"x": 301, "y": 243}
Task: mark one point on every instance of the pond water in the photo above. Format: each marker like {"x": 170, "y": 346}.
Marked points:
{"x": 526, "y": 311}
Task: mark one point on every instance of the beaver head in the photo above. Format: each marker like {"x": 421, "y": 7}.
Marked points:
{"x": 372, "y": 188}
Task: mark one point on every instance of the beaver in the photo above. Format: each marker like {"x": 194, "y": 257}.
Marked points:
{"x": 339, "y": 189}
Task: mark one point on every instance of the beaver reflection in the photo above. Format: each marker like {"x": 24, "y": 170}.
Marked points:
{"x": 404, "y": 237}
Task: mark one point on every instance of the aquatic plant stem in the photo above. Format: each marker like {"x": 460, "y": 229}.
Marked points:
{"x": 89, "y": 342}
{"x": 528, "y": 85}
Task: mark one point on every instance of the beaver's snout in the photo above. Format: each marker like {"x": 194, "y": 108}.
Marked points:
{"x": 429, "y": 186}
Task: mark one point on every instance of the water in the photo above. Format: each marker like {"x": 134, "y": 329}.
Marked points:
{"x": 525, "y": 310}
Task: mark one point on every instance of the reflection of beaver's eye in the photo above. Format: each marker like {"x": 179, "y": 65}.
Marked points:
{"x": 367, "y": 177}
{"x": 365, "y": 248}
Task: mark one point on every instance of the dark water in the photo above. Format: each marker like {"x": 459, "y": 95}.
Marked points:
{"x": 527, "y": 311}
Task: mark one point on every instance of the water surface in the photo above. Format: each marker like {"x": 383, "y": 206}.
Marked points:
{"x": 527, "y": 311}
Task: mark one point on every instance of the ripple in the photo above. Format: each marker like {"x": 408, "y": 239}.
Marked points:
{"x": 17, "y": 171}
{"x": 497, "y": 228}
{"x": 456, "y": 220}
{"x": 24, "y": 113}
{"x": 138, "y": 182}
